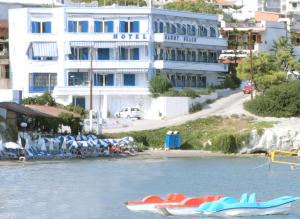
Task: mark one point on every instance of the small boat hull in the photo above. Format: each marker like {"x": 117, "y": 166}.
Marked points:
{"x": 179, "y": 211}
{"x": 244, "y": 212}
{"x": 147, "y": 207}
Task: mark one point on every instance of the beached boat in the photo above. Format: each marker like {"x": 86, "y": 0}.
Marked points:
{"x": 188, "y": 206}
{"x": 229, "y": 206}
{"x": 149, "y": 202}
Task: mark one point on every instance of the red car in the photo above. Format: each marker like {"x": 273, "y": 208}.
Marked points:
{"x": 247, "y": 89}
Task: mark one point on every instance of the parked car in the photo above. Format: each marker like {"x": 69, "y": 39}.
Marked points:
{"x": 247, "y": 89}
{"x": 129, "y": 112}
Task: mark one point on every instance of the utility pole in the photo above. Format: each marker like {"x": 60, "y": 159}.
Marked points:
{"x": 251, "y": 61}
{"x": 91, "y": 89}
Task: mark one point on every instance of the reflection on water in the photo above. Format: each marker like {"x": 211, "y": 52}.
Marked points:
{"x": 98, "y": 188}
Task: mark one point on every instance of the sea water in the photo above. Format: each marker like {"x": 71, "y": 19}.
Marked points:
{"x": 90, "y": 189}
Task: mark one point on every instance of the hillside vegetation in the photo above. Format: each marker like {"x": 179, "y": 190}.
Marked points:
{"x": 226, "y": 134}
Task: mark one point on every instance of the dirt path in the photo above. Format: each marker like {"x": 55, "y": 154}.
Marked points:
{"x": 225, "y": 106}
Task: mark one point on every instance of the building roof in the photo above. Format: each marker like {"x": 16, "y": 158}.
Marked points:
{"x": 3, "y": 28}
{"x": 50, "y": 110}
{"x": 19, "y": 108}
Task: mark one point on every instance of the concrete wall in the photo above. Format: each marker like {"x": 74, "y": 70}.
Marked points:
{"x": 170, "y": 107}
{"x": 8, "y": 95}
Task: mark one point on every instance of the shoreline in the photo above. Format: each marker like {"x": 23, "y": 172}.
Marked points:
{"x": 147, "y": 154}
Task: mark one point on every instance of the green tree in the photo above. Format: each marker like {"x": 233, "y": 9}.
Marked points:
{"x": 117, "y": 2}
{"x": 159, "y": 84}
{"x": 200, "y": 6}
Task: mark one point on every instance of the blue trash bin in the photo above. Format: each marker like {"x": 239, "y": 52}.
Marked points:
{"x": 169, "y": 140}
{"x": 177, "y": 140}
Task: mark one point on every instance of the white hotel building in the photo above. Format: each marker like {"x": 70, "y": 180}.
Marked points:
{"x": 55, "y": 49}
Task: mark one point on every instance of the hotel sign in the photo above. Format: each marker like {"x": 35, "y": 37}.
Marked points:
{"x": 130, "y": 36}
{"x": 173, "y": 37}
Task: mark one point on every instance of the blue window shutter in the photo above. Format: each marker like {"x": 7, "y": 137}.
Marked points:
{"x": 123, "y": 55}
{"x": 136, "y": 54}
{"x": 110, "y": 26}
{"x": 136, "y": 26}
{"x": 129, "y": 80}
{"x": 103, "y": 54}
{"x": 47, "y": 27}
{"x": 85, "y": 54}
{"x": 34, "y": 26}
{"x": 122, "y": 26}
{"x": 70, "y": 26}
{"x": 109, "y": 79}
{"x": 97, "y": 27}
{"x": 85, "y": 26}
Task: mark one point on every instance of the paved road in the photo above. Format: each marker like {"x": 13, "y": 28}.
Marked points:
{"x": 229, "y": 105}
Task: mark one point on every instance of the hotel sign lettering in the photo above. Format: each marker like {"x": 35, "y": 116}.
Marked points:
{"x": 130, "y": 36}
{"x": 172, "y": 37}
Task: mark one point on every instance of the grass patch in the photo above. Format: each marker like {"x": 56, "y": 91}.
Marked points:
{"x": 227, "y": 134}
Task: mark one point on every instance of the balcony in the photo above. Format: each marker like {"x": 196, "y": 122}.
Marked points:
{"x": 100, "y": 90}
{"x": 194, "y": 40}
{"x": 108, "y": 64}
{"x": 4, "y": 54}
{"x": 196, "y": 66}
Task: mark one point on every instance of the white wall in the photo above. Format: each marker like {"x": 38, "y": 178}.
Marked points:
{"x": 9, "y": 95}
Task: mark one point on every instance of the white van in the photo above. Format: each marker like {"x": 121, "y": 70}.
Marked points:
{"x": 129, "y": 112}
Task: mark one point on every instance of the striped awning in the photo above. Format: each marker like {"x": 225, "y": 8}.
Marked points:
{"x": 44, "y": 49}
{"x": 122, "y": 70}
{"x": 136, "y": 43}
{"x": 82, "y": 43}
{"x": 105, "y": 45}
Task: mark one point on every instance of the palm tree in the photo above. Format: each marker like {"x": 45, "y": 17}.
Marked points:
{"x": 282, "y": 43}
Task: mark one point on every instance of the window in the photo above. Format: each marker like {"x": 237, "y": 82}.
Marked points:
{"x": 78, "y": 53}
{"x": 78, "y": 101}
{"x": 294, "y": 4}
{"x": 103, "y": 79}
{"x": 202, "y": 56}
{"x": 180, "y": 55}
{"x": 202, "y": 31}
{"x": 212, "y": 57}
{"x": 170, "y": 54}
{"x": 103, "y": 54}
{"x": 78, "y": 26}
{"x": 155, "y": 27}
{"x": 173, "y": 29}
{"x": 129, "y": 79}
{"x": 129, "y": 54}
{"x": 78, "y": 78}
{"x": 193, "y": 31}
{"x": 213, "y": 32}
{"x": 129, "y": 26}
{"x": 161, "y": 27}
{"x": 41, "y": 26}
{"x": 168, "y": 27}
{"x": 40, "y": 82}
{"x": 6, "y": 69}
{"x": 191, "y": 55}
{"x": 158, "y": 54}
{"x": 183, "y": 29}
{"x": 98, "y": 26}
{"x": 108, "y": 27}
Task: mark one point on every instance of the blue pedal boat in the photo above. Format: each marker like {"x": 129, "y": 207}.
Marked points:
{"x": 247, "y": 206}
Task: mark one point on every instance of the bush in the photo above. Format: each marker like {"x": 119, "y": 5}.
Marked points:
{"x": 231, "y": 81}
{"x": 189, "y": 92}
{"x": 44, "y": 99}
{"x": 159, "y": 84}
{"x": 227, "y": 143}
{"x": 279, "y": 101}
{"x": 195, "y": 108}
{"x": 69, "y": 120}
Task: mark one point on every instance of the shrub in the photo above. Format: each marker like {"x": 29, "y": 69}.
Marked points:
{"x": 159, "y": 84}
{"x": 279, "y": 101}
{"x": 189, "y": 92}
{"x": 227, "y": 143}
{"x": 195, "y": 108}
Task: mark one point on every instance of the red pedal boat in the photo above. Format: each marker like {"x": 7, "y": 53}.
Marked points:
{"x": 149, "y": 202}
{"x": 188, "y": 206}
